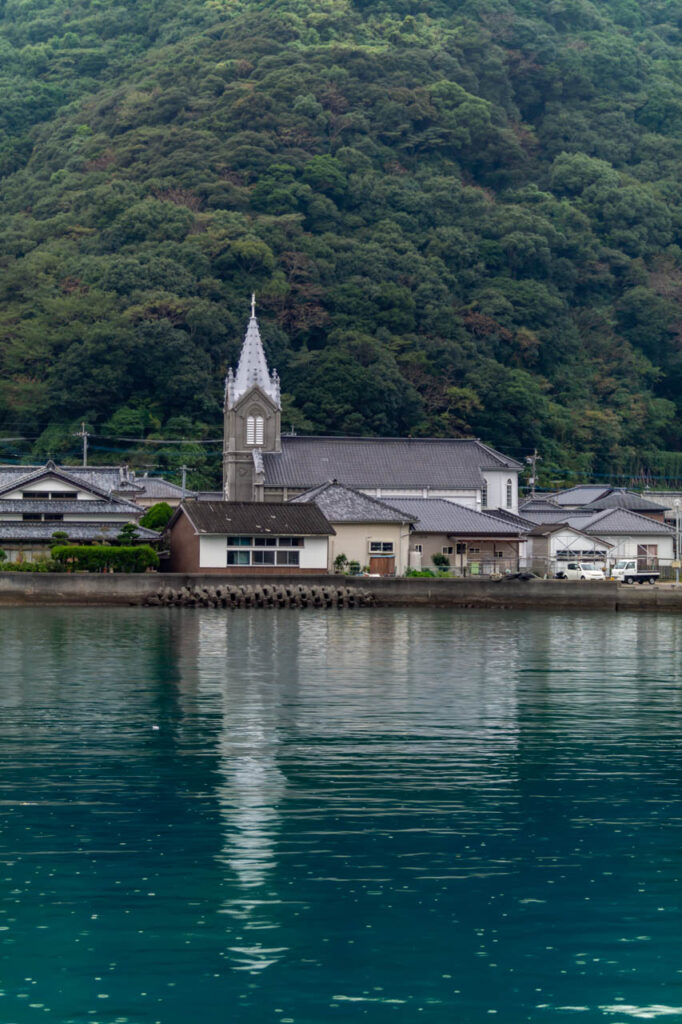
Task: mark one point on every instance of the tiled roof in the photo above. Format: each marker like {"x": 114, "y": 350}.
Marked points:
{"x": 436, "y": 515}
{"x": 94, "y": 506}
{"x": 342, "y": 504}
{"x": 619, "y": 521}
{"x": 255, "y": 517}
{"x": 511, "y": 517}
{"x": 552, "y": 515}
{"x": 24, "y": 532}
{"x": 368, "y": 462}
{"x": 582, "y": 494}
{"x": 620, "y": 498}
{"x": 48, "y": 470}
{"x": 538, "y": 505}
{"x": 152, "y": 487}
{"x": 102, "y": 478}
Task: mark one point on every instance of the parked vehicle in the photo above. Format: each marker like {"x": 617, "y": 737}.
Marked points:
{"x": 629, "y": 570}
{"x": 580, "y": 571}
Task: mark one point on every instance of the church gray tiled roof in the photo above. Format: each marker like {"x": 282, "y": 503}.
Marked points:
{"x": 629, "y": 500}
{"x": 255, "y": 518}
{"x": 341, "y": 504}
{"x": 252, "y": 370}
{"x": 436, "y": 515}
{"x": 369, "y": 462}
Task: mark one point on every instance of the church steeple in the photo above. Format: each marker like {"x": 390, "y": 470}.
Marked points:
{"x": 252, "y": 418}
{"x": 252, "y": 369}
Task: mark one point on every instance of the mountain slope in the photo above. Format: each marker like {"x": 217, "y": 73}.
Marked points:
{"x": 455, "y": 221}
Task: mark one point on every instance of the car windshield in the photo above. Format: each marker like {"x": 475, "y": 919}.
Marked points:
{"x": 587, "y": 565}
{"x": 621, "y": 563}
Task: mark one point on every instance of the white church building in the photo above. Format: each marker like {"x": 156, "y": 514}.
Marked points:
{"x": 262, "y": 464}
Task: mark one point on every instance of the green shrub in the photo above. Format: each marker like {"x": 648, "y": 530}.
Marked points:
{"x": 40, "y": 565}
{"x": 340, "y": 563}
{"x": 3, "y": 555}
{"x": 156, "y": 517}
{"x": 420, "y": 572}
{"x": 101, "y": 558}
{"x": 441, "y": 561}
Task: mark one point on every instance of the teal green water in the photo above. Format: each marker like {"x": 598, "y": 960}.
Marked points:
{"x": 378, "y": 815}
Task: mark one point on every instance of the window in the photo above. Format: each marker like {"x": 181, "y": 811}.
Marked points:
{"x": 484, "y": 494}
{"x": 418, "y": 547}
{"x": 461, "y": 549}
{"x": 381, "y": 547}
{"x": 53, "y": 517}
{"x": 254, "y": 429}
{"x": 239, "y": 542}
{"x": 239, "y": 558}
{"x": 447, "y": 551}
{"x": 264, "y": 557}
{"x": 290, "y": 542}
{"x": 287, "y": 557}
{"x": 37, "y": 517}
{"x": 499, "y": 554}
{"x": 50, "y": 495}
{"x": 265, "y": 542}
{"x": 31, "y": 517}
{"x": 509, "y": 493}
{"x": 474, "y": 551}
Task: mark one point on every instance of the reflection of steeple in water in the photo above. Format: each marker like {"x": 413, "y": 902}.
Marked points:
{"x": 237, "y": 665}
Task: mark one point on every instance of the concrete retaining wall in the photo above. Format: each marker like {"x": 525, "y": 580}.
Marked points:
{"x": 127, "y": 589}
{"x": 131, "y": 589}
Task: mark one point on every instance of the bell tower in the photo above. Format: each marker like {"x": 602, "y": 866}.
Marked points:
{"x": 252, "y": 418}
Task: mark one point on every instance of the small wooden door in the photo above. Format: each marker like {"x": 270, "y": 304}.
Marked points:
{"x": 383, "y": 566}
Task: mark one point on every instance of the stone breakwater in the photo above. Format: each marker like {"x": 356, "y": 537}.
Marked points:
{"x": 227, "y": 595}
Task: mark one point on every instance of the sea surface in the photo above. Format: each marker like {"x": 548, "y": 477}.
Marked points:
{"x": 302, "y": 816}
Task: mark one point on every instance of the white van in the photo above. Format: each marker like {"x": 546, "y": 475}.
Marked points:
{"x": 580, "y": 571}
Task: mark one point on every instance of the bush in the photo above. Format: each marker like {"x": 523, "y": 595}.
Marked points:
{"x": 40, "y": 565}
{"x": 441, "y": 561}
{"x": 354, "y": 568}
{"x": 156, "y": 518}
{"x": 420, "y": 572}
{"x": 100, "y": 558}
{"x": 340, "y": 563}
{"x": 3, "y": 555}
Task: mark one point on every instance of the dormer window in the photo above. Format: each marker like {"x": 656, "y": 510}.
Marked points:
{"x": 254, "y": 430}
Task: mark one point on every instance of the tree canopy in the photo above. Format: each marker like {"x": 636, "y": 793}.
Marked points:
{"x": 458, "y": 218}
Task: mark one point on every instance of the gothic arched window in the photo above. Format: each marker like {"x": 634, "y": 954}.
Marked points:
{"x": 484, "y": 494}
{"x": 509, "y": 494}
{"x": 254, "y": 430}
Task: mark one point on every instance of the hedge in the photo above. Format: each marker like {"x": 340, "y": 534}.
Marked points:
{"x": 98, "y": 558}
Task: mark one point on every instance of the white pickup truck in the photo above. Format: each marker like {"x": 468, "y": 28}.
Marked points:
{"x": 626, "y": 570}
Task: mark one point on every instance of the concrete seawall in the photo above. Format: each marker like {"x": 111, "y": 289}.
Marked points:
{"x": 132, "y": 589}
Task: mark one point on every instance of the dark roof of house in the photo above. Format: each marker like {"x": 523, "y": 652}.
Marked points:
{"x": 255, "y": 517}
{"x": 552, "y": 515}
{"x": 364, "y": 462}
{"x": 436, "y": 515}
{"x": 619, "y": 521}
{"x": 341, "y": 504}
{"x": 538, "y": 505}
{"x": 152, "y": 487}
{"x": 620, "y": 498}
{"x": 42, "y": 531}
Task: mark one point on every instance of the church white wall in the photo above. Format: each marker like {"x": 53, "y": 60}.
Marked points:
{"x": 314, "y": 553}
{"x": 497, "y": 489}
{"x": 213, "y": 552}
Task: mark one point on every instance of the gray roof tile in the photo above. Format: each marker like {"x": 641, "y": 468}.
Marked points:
{"x": 342, "y": 504}
{"x": 255, "y": 517}
{"x": 367, "y": 462}
{"x": 25, "y": 532}
{"x": 436, "y": 515}
{"x": 619, "y": 521}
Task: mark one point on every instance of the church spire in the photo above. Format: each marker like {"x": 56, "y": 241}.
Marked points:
{"x": 253, "y": 367}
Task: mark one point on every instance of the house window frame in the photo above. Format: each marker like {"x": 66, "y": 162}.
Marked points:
{"x": 484, "y": 494}
{"x": 510, "y": 493}
{"x": 381, "y": 547}
{"x": 255, "y": 429}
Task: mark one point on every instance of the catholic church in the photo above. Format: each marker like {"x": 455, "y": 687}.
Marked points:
{"x": 260, "y": 463}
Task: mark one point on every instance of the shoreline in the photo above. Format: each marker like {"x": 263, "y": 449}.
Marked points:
{"x": 126, "y": 589}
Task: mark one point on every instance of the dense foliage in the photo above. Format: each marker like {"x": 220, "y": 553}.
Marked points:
{"x": 102, "y": 558}
{"x": 457, "y": 218}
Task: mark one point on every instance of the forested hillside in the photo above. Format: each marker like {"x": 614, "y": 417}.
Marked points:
{"x": 458, "y": 217}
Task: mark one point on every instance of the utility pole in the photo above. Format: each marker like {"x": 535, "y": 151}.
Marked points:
{"x": 532, "y": 460}
{"x": 184, "y": 480}
{"x": 84, "y": 434}
{"x": 677, "y": 539}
